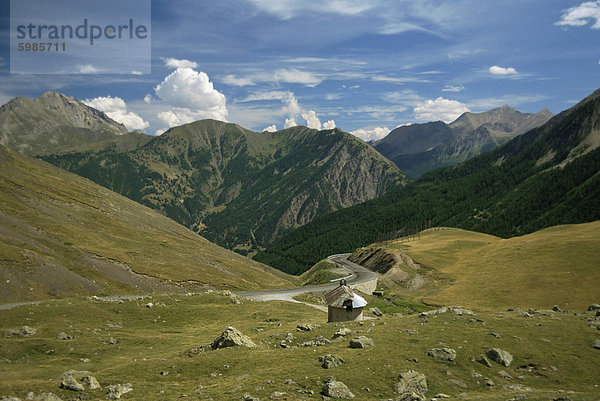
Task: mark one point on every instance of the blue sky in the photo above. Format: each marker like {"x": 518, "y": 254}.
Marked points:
{"x": 363, "y": 66}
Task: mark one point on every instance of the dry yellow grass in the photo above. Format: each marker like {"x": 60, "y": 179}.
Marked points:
{"x": 55, "y": 227}
{"x": 555, "y": 266}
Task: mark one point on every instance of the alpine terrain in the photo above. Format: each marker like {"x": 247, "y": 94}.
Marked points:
{"x": 239, "y": 188}
{"x": 419, "y": 148}
{"x": 63, "y": 235}
{"x": 53, "y": 123}
{"x": 547, "y": 176}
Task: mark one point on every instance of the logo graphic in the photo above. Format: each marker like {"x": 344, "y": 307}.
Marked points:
{"x": 80, "y": 37}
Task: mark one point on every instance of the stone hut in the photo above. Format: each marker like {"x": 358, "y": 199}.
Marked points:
{"x": 344, "y": 305}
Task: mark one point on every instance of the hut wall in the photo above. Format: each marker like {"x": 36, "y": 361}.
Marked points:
{"x": 342, "y": 315}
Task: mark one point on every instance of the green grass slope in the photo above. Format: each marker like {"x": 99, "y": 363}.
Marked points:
{"x": 63, "y": 235}
{"x": 555, "y": 266}
{"x": 149, "y": 348}
{"x": 547, "y": 176}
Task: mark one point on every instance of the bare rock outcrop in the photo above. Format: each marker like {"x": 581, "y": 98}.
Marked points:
{"x": 232, "y": 337}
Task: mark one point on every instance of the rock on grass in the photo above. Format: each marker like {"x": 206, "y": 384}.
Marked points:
{"x": 343, "y": 332}
{"x": 502, "y": 357}
{"x": 411, "y": 382}
{"x": 330, "y": 361}
{"x": 116, "y": 391}
{"x": 442, "y": 354}
{"x": 361, "y": 342}
{"x": 232, "y": 337}
{"x": 337, "y": 389}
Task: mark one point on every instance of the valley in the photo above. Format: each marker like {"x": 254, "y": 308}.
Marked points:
{"x": 316, "y": 200}
{"x": 102, "y": 289}
{"x": 545, "y": 177}
{"x": 239, "y": 188}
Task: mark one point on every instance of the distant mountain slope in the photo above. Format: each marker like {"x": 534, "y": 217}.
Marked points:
{"x": 418, "y": 148}
{"x": 63, "y": 235}
{"x": 547, "y": 176}
{"x": 54, "y": 123}
{"x": 239, "y": 188}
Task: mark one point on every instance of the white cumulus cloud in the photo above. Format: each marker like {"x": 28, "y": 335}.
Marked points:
{"x": 440, "y": 109}
{"x": 581, "y": 15}
{"x": 330, "y": 124}
{"x": 270, "y": 128}
{"x": 176, "y": 116}
{"x": 290, "y": 122}
{"x": 291, "y": 109}
{"x": 177, "y": 63}
{"x": 189, "y": 95}
{"x": 496, "y": 70}
{"x": 371, "y": 134}
{"x": 312, "y": 121}
{"x": 116, "y": 108}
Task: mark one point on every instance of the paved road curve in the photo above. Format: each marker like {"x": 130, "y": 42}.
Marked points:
{"x": 359, "y": 275}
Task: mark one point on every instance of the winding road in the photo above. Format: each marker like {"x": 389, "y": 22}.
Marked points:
{"x": 358, "y": 275}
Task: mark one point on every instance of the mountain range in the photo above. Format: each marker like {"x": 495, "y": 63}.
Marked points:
{"x": 419, "y": 148}
{"x": 239, "y": 188}
{"x": 244, "y": 190}
{"x": 547, "y": 176}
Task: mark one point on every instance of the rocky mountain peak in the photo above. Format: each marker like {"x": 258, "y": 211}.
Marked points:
{"x": 504, "y": 115}
{"x": 53, "y": 121}
{"x": 78, "y": 113}
{"x": 422, "y": 147}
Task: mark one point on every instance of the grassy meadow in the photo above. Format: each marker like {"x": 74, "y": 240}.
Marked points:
{"x": 127, "y": 342}
{"x": 555, "y": 266}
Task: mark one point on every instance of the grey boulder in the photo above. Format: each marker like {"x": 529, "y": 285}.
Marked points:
{"x": 502, "y": 357}
{"x": 232, "y": 337}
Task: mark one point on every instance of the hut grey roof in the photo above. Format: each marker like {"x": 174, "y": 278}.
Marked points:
{"x": 342, "y": 293}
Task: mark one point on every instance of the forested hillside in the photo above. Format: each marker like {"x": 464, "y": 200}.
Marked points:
{"x": 545, "y": 177}
{"x": 239, "y": 188}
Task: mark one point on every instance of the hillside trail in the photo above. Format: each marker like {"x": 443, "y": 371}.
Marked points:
{"x": 358, "y": 275}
